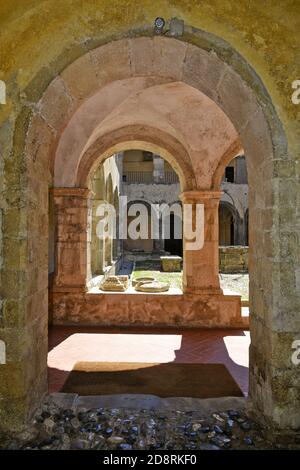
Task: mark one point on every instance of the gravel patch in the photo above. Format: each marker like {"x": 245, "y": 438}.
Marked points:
{"x": 55, "y": 427}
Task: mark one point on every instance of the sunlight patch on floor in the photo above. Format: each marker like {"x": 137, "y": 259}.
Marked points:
{"x": 84, "y": 347}
{"x": 238, "y": 348}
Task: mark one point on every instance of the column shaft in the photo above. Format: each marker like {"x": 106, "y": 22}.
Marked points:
{"x": 201, "y": 266}
{"x": 72, "y": 208}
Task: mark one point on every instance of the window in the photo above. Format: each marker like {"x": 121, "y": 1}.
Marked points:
{"x": 229, "y": 174}
{"x": 147, "y": 156}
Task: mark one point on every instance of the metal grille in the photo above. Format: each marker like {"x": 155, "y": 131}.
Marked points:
{"x": 146, "y": 177}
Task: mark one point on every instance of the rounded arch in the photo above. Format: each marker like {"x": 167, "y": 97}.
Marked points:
{"x": 220, "y": 73}
{"x": 232, "y": 152}
{"x": 137, "y": 200}
{"x": 116, "y": 198}
{"x": 137, "y": 137}
{"x": 109, "y": 189}
{"x": 163, "y": 109}
{"x": 229, "y": 220}
{"x": 258, "y": 126}
{"x": 230, "y": 207}
{"x": 140, "y": 244}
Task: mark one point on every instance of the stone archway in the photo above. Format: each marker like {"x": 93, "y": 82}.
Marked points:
{"x": 116, "y": 240}
{"x": 109, "y": 196}
{"x": 227, "y": 224}
{"x": 263, "y": 140}
{"x": 145, "y": 245}
{"x": 231, "y": 225}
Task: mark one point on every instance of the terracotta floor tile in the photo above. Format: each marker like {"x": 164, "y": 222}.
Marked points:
{"x": 69, "y": 345}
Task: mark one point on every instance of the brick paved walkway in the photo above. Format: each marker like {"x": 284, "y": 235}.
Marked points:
{"x": 69, "y": 345}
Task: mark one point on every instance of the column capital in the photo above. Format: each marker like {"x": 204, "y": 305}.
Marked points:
{"x": 196, "y": 196}
{"x": 83, "y": 193}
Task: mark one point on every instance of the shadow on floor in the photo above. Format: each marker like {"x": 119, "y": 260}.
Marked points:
{"x": 196, "y": 346}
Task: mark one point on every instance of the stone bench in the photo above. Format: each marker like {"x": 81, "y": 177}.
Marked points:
{"x": 171, "y": 263}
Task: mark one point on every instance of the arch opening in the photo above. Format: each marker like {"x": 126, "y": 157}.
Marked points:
{"x": 146, "y": 192}
{"x": 200, "y": 168}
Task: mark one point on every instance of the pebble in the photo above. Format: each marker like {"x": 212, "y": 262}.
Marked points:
{"x": 205, "y": 429}
{"x": 125, "y": 446}
{"x": 141, "y": 444}
{"x": 122, "y": 429}
{"x": 248, "y": 440}
{"x": 207, "y": 446}
{"x": 91, "y": 436}
{"x": 218, "y": 417}
{"x": 115, "y": 439}
{"x": 65, "y": 442}
{"x": 75, "y": 423}
{"x": 59, "y": 429}
{"x": 108, "y": 431}
{"x": 221, "y": 442}
{"x": 230, "y": 423}
{"x": 49, "y": 424}
{"x": 97, "y": 428}
{"x": 68, "y": 414}
{"x": 131, "y": 439}
{"x": 79, "y": 444}
{"x": 83, "y": 417}
{"x": 246, "y": 426}
{"x": 99, "y": 443}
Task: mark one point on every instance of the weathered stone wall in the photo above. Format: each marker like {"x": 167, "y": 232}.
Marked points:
{"x": 186, "y": 310}
{"x": 152, "y": 193}
{"x": 233, "y": 259}
{"x": 236, "y": 195}
{"x": 106, "y": 185}
{"x": 73, "y": 237}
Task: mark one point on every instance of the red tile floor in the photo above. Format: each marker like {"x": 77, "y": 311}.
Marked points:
{"x": 69, "y": 345}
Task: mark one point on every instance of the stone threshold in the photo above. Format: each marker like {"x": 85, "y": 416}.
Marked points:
{"x": 147, "y": 402}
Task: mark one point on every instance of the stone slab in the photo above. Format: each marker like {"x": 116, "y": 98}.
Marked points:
{"x": 171, "y": 263}
{"x": 155, "y": 309}
{"x": 140, "y": 401}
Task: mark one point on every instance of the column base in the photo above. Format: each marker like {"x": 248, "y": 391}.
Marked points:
{"x": 70, "y": 289}
{"x": 285, "y": 437}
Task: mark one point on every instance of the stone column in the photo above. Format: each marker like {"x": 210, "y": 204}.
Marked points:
{"x": 241, "y": 170}
{"x": 159, "y": 243}
{"x": 239, "y": 231}
{"x": 119, "y": 242}
{"x": 201, "y": 266}
{"x": 72, "y": 208}
{"x": 97, "y": 244}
